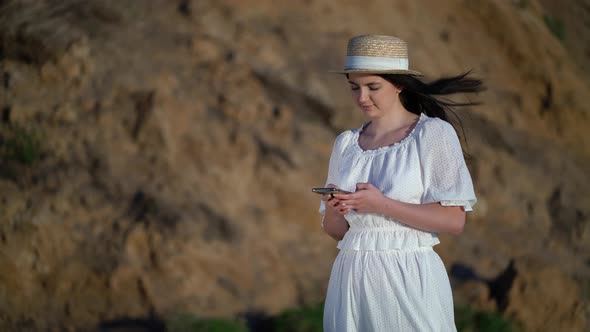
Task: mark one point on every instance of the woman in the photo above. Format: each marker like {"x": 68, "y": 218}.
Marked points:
{"x": 408, "y": 178}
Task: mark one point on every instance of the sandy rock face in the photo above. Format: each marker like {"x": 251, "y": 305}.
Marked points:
{"x": 536, "y": 308}
{"x": 179, "y": 141}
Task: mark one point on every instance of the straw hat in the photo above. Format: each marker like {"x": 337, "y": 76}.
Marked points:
{"x": 375, "y": 54}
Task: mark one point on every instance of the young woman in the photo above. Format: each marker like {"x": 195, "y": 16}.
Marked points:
{"x": 408, "y": 181}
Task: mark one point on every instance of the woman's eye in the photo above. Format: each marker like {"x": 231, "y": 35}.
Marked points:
{"x": 353, "y": 88}
{"x": 373, "y": 89}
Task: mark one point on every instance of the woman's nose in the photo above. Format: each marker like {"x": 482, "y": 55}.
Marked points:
{"x": 363, "y": 95}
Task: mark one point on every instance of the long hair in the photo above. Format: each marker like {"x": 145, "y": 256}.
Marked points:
{"x": 421, "y": 97}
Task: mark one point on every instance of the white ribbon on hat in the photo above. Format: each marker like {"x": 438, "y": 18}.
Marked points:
{"x": 375, "y": 62}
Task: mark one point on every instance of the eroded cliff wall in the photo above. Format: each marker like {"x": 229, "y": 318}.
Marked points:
{"x": 179, "y": 141}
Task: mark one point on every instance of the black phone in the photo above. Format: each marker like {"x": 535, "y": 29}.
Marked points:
{"x": 329, "y": 191}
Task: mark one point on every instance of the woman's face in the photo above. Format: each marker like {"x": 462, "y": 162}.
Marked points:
{"x": 374, "y": 95}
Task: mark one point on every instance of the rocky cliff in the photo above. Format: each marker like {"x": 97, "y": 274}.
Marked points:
{"x": 157, "y": 156}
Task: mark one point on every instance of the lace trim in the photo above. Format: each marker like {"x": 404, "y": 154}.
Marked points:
{"x": 467, "y": 206}
{"x": 403, "y": 141}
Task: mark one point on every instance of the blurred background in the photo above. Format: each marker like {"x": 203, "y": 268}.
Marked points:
{"x": 156, "y": 159}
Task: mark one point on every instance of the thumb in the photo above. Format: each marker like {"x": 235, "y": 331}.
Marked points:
{"x": 362, "y": 186}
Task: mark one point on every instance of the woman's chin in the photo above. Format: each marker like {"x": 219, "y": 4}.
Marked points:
{"x": 370, "y": 111}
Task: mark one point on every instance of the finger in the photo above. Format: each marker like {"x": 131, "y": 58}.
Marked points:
{"x": 331, "y": 185}
{"x": 344, "y": 197}
{"x": 341, "y": 196}
{"x": 364, "y": 186}
{"x": 349, "y": 199}
{"x": 351, "y": 206}
{"x": 333, "y": 199}
{"x": 345, "y": 208}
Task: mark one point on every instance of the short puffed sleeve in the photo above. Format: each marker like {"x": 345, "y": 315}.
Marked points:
{"x": 333, "y": 166}
{"x": 445, "y": 175}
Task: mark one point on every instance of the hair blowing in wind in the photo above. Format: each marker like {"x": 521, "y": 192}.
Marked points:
{"x": 418, "y": 96}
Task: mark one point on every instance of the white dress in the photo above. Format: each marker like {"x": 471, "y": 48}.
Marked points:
{"x": 386, "y": 276}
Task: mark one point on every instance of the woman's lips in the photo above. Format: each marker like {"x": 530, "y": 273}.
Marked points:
{"x": 366, "y": 107}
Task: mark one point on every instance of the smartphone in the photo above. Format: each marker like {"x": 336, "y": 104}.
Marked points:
{"x": 328, "y": 191}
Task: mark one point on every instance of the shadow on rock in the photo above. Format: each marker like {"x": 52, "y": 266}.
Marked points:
{"x": 499, "y": 286}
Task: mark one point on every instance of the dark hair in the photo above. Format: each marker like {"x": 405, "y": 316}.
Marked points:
{"x": 421, "y": 97}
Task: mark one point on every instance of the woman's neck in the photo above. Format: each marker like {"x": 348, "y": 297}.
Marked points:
{"x": 391, "y": 122}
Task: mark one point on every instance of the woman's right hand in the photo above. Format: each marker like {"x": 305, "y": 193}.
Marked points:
{"x": 333, "y": 202}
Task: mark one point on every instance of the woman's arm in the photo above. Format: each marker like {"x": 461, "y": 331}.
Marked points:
{"x": 334, "y": 223}
{"x": 431, "y": 217}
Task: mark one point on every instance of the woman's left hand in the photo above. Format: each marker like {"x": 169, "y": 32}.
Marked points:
{"x": 366, "y": 199}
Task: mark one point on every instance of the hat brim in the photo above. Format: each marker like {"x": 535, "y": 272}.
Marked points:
{"x": 377, "y": 71}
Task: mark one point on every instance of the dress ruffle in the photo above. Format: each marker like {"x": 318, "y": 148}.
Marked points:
{"x": 466, "y": 204}
{"x": 386, "y": 238}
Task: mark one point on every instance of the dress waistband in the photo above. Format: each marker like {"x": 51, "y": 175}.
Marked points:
{"x": 381, "y": 238}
